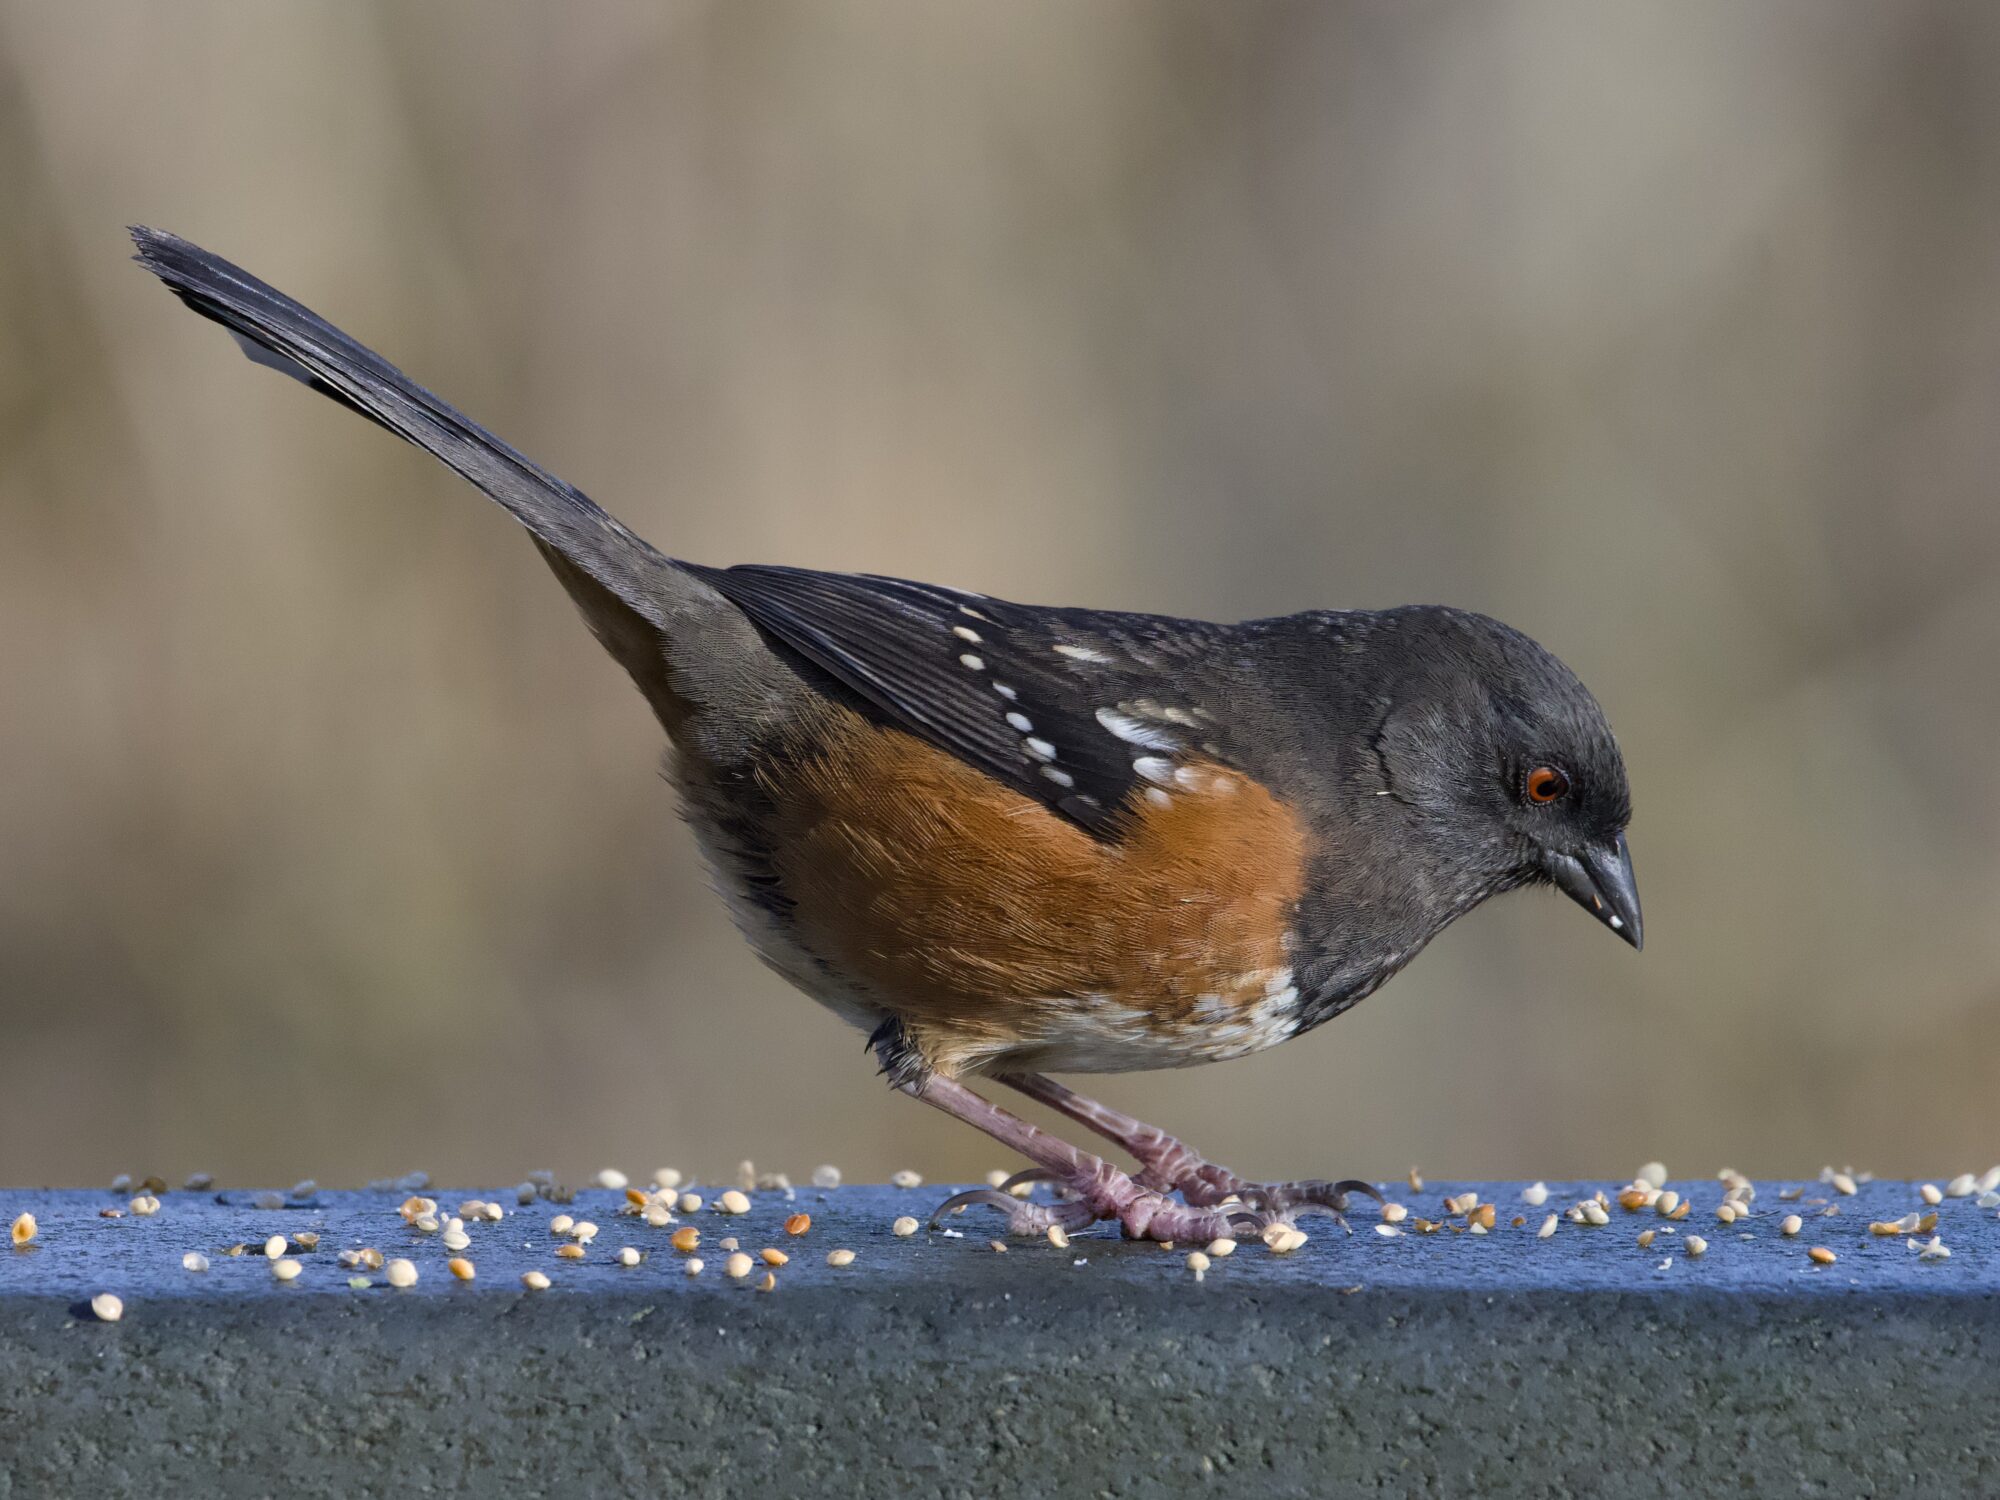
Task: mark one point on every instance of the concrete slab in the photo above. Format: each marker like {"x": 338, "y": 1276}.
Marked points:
{"x": 1425, "y": 1363}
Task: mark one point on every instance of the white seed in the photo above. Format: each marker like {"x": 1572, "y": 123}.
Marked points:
{"x": 1962, "y": 1186}
{"x": 1058, "y": 1236}
{"x": 628, "y": 1256}
{"x": 305, "y": 1187}
{"x": 995, "y": 1177}
{"x": 24, "y": 1230}
{"x": 583, "y": 1231}
{"x": 737, "y": 1266}
{"x": 1593, "y": 1213}
{"x": 826, "y": 1176}
{"x": 1930, "y": 1193}
{"x": 1696, "y": 1245}
{"x": 401, "y": 1273}
{"x": 733, "y": 1202}
{"x": 1387, "y": 1231}
{"x": 425, "y": 1223}
{"x": 535, "y": 1281}
{"x": 107, "y": 1308}
{"x": 274, "y": 1247}
{"x": 1222, "y": 1247}
{"x": 690, "y": 1203}
{"x": 456, "y": 1239}
{"x": 194, "y": 1260}
{"x": 838, "y": 1258}
{"x": 692, "y": 1265}
{"x": 1667, "y": 1202}
{"x": 666, "y": 1179}
{"x": 657, "y": 1217}
{"x": 286, "y": 1269}
{"x": 1988, "y": 1200}
{"x": 561, "y": 1224}
{"x": 1653, "y": 1174}
{"x": 1935, "y": 1250}
{"x": 145, "y": 1205}
{"x": 1548, "y": 1227}
{"x": 906, "y": 1226}
{"x": 1283, "y": 1239}
{"x": 905, "y": 1179}
{"x": 1791, "y": 1224}
{"x": 1989, "y": 1180}
{"x": 1394, "y": 1213}
{"x": 613, "y": 1179}
{"x": 268, "y": 1201}
{"x": 1197, "y": 1262}
{"x": 1726, "y": 1213}
{"x": 1535, "y": 1194}
{"x": 1843, "y": 1184}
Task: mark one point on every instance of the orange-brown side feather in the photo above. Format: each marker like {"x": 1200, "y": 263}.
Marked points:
{"x": 986, "y": 923}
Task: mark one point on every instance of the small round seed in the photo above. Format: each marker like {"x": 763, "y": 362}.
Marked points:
{"x": 1653, "y": 1174}
{"x": 904, "y": 1227}
{"x": 286, "y": 1269}
{"x": 1930, "y": 1194}
{"x": 583, "y": 1231}
{"x": 275, "y": 1247}
{"x": 1535, "y": 1194}
{"x": 737, "y": 1266}
{"x": 1666, "y": 1203}
{"x": 838, "y": 1258}
{"x": 733, "y": 1202}
{"x": 657, "y": 1216}
{"x": 145, "y": 1205}
{"x": 460, "y": 1267}
{"x": 1646, "y": 1238}
{"x": 455, "y": 1239}
{"x": 667, "y": 1179}
{"x": 1197, "y": 1262}
{"x": 107, "y": 1308}
{"x": 613, "y": 1179}
{"x": 24, "y": 1230}
{"x": 692, "y": 1265}
{"x": 1696, "y": 1245}
{"x": 905, "y": 1179}
{"x": 571, "y": 1251}
{"x": 798, "y": 1224}
{"x": 772, "y": 1257}
{"x": 995, "y": 1177}
{"x": 561, "y": 1224}
{"x": 1548, "y": 1227}
{"x": 685, "y": 1238}
{"x": 1820, "y": 1255}
{"x": 628, "y": 1256}
{"x": 690, "y": 1203}
{"x": 826, "y": 1176}
{"x": 1843, "y": 1184}
{"x": 1791, "y": 1224}
{"x": 401, "y": 1273}
{"x": 1218, "y": 1248}
{"x": 1726, "y": 1213}
{"x": 194, "y": 1260}
{"x": 534, "y": 1281}
{"x": 1394, "y": 1213}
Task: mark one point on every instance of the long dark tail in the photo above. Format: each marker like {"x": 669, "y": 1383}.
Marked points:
{"x": 276, "y": 331}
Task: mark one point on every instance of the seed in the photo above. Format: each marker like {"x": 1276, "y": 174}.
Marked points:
{"x": 1962, "y": 1186}
{"x": 1394, "y": 1213}
{"x": 838, "y": 1258}
{"x": 692, "y": 1265}
{"x": 24, "y": 1230}
{"x": 286, "y": 1269}
{"x": 772, "y": 1257}
{"x": 1927, "y": 1223}
{"x": 425, "y": 1223}
{"x": 1646, "y": 1238}
{"x": 685, "y": 1239}
{"x": 1653, "y": 1174}
{"x": 1666, "y": 1203}
{"x": 1687, "y": 1205}
{"x": 1935, "y": 1250}
{"x": 571, "y": 1251}
{"x": 733, "y": 1202}
{"x": 1726, "y": 1213}
{"x": 996, "y": 1177}
{"x": 768, "y": 1284}
{"x": 999, "y": 1247}
{"x": 728, "y": 1243}
{"x": 613, "y": 1179}
{"x": 1791, "y": 1224}
{"x": 1884, "y": 1228}
{"x": 1632, "y": 1199}
{"x": 1821, "y": 1255}
{"x": 1548, "y": 1228}
{"x": 737, "y": 1266}
{"x": 401, "y": 1273}
{"x": 1593, "y": 1213}
{"x": 1416, "y": 1181}
{"x": 657, "y": 1216}
{"x": 107, "y": 1308}
{"x": 456, "y": 1239}
{"x": 1283, "y": 1239}
{"x": 535, "y": 1281}
{"x": 1843, "y": 1184}
{"x": 1535, "y": 1194}
{"x": 1482, "y": 1217}
{"x": 460, "y": 1267}
{"x": 411, "y": 1207}
{"x": 145, "y": 1205}
{"x": 194, "y": 1260}
{"x": 798, "y": 1224}
{"x": 275, "y": 1247}
{"x": 1930, "y": 1194}
{"x": 1197, "y": 1262}
{"x": 561, "y": 1224}
{"x": 305, "y": 1239}
{"x": 690, "y": 1203}
{"x": 304, "y": 1188}
{"x": 583, "y": 1231}
{"x": 526, "y": 1193}
{"x": 627, "y": 1256}
{"x": 1696, "y": 1245}
{"x": 667, "y": 1179}
{"x": 1217, "y": 1249}
{"x": 199, "y": 1182}
{"x": 904, "y": 1227}
{"x": 268, "y": 1201}
{"x": 1058, "y": 1236}
{"x": 905, "y": 1179}
{"x": 1387, "y": 1231}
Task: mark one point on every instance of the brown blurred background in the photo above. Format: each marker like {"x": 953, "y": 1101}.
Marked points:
{"x": 331, "y": 845}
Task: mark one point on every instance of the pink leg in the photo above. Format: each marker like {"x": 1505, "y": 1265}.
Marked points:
{"x": 1168, "y": 1166}
{"x": 1099, "y": 1190}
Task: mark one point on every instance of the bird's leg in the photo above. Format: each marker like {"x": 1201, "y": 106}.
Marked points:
{"x": 1098, "y": 1189}
{"x": 1167, "y": 1165}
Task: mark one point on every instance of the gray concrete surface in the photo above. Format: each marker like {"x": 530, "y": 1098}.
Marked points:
{"x": 1448, "y": 1363}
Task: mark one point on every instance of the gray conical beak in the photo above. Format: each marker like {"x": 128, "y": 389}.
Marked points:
{"x": 1599, "y": 879}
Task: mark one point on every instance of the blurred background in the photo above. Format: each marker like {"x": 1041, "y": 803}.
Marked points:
{"x": 331, "y": 845}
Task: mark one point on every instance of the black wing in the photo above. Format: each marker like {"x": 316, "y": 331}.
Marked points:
{"x": 1055, "y": 703}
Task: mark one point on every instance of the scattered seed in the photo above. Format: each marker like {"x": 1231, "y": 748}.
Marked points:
{"x": 199, "y": 1182}
{"x": 905, "y": 1179}
{"x": 1653, "y": 1174}
{"x": 1198, "y": 1263}
{"x": 1548, "y": 1228}
{"x": 906, "y": 1226}
{"x": 1726, "y": 1213}
{"x": 286, "y": 1269}
{"x": 827, "y": 1176}
{"x": 1930, "y": 1193}
{"x": 772, "y": 1257}
{"x": 401, "y": 1273}
{"x": 1646, "y": 1238}
{"x": 1696, "y": 1245}
{"x": 685, "y": 1239}
{"x": 627, "y": 1256}
{"x": 1687, "y": 1206}
{"x": 583, "y": 1231}
{"x": 460, "y": 1267}
{"x": 1481, "y": 1218}
{"x": 733, "y": 1202}
{"x": 1535, "y": 1194}
{"x": 769, "y": 1283}
{"x": 690, "y": 1203}
{"x": 1962, "y": 1186}
{"x": 1057, "y": 1235}
{"x": 1843, "y": 1184}
{"x": 1633, "y": 1198}
{"x": 455, "y": 1239}
{"x": 275, "y": 1247}
{"x": 571, "y": 1251}
{"x": 194, "y": 1260}
{"x": 692, "y": 1265}
{"x": 1927, "y": 1223}
{"x": 1416, "y": 1180}
{"x": 106, "y": 1308}
{"x": 145, "y": 1205}
{"x": 657, "y": 1216}
{"x": 304, "y": 1188}
{"x": 1935, "y": 1250}
{"x": 737, "y": 1266}
{"x": 1388, "y": 1231}
{"x": 1218, "y": 1248}
{"x": 838, "y": 1258}
{"x": 798, "y": 1224}
{"x": 561, "y": 1224}
{"x": 613, "y": 1179}
{"x": 995, "y": 1177}
{"x": 1594, "y": 1214}
{"x": 1394, "y": 1213}
{"x": 1283, "y": 1239}
{"x": 1666, "y": 1203}
{"x": 1988, "y": 1200}
{"x": 535, "y": 1281}
{"x": 729, "y": 1243}
{"x": 268, "y": 1201}
{"x": 1820, "y": 1255}
{"x": 24, "y": 1230}
{"x": 1790, "y": 1225}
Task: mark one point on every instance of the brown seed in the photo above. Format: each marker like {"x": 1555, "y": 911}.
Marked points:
{"x": 1821, "y": 1255}
{"x": 534, "y": 1281}
{"x": 1632, "y": 1199}
{"x": 570, "y": 1251}
{"x": 798, "y": 1224}
{"x": 838, "y": 1258}
{"x": 1058, "y": 1236}
{"x": 1884, "y": 1228}
{"x": 1482, "y": 1216}
{"x": 460, "y": 1267}
{"x": 685, "y": 1239}
{"x": 1646, "y": 1238}
{"x": 1687, "y": 1206}
{"x": 1927, "y": 1224}
{"x": 772, "y": 1257}
{"x": 1666, "y": 1203}
{"x": 24, "y": 1230}
{"x": 768, "y": 1284}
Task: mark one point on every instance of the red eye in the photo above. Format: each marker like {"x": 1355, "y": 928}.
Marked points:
{"x": 1546, "y": 784}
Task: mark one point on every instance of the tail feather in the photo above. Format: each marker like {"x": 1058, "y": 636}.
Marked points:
{"x": 280, "y": 333}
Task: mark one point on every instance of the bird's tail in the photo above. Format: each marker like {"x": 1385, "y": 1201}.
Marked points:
{"x": 276, "y": 331}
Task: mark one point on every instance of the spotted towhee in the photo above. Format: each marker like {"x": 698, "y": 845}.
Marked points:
{"x": 1003, "y": 839}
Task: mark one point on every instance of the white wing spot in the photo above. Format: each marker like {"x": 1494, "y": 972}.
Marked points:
{"x": 1040, "y": 749}
{"x": 1154, "y": 769}
{"x": 1004, "y": 691}
{"x": 1158, "y": 798}
{"x": 1082, "y": 653}
{"x": 970, "y": 612}
{"x": 1058, "y": 776}
{"x": 972, "y": 663}
{"x": 1021, "y": 722}
{"x": 1135, "y": 731}
{"x": 965, "y": 634}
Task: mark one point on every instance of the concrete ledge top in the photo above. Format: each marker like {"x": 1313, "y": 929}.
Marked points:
{"x": 78, "y": 1252}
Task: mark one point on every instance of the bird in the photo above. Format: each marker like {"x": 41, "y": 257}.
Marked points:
{"x": 1008, "y": 840}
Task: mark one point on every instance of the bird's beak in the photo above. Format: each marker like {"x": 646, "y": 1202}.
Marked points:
{"x": 1599, "y": 880}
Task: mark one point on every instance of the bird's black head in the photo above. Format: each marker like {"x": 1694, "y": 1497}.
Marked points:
{"x": 1503, "y": 760}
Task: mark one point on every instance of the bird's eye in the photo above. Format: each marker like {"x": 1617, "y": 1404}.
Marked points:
{"x": 1546, "y": 784}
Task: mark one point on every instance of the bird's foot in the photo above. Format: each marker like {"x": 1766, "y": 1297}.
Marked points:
{"x": 1105, "y": 1193}
{"x": 1203, "y": 1184}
